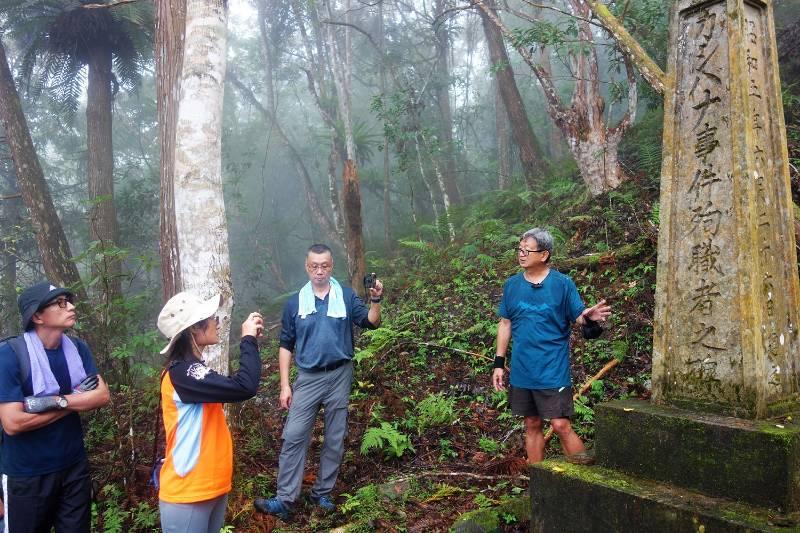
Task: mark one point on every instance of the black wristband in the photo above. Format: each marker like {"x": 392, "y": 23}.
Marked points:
{"x": 591, "y": 329}
{"x": 499, "y": 361}
{"x": 376, "y": 300}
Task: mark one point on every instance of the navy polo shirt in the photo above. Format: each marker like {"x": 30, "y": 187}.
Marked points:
{"x": 55, "y": 446}
{"x": 319, "y": 340}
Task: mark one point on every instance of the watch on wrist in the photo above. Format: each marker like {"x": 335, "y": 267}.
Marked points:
{"x": 62, "y": 402}
{"x": 376, "y": 300}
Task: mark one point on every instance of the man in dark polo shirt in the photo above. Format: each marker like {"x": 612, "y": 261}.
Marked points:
{"x": 46, "y": 379}
{"x": 317, "y": 328}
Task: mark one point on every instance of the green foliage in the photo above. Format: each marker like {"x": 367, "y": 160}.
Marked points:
{"x": 113, "y": 514}
{"x": 489, "y": 445}
{"x": 377, "y": 341}
{"x": 145, "y": 517}
{"x": 387, "y": 439}
{"x": 434, "y": 410}
{"x": 61, "y": 39}
{"x": 365, "y": 505}
{"x": 446, "y": 450}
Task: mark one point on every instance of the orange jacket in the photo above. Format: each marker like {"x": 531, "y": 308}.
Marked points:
{"x": 198, "y": 465}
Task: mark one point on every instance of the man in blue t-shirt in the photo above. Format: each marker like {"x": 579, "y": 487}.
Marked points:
{"x": 317, "y": 328}
{"x": 45, "y": 471}
{"x": 536, "y": 311}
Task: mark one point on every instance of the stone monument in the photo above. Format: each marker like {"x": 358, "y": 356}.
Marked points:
{"x": 726, "y": 321}
{"x": 716, "y": 449}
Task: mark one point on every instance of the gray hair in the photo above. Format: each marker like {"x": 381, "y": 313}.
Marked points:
{"x": 544, "y": 240}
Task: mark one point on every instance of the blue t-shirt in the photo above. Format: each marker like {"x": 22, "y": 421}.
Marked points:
{"x": 540, "y": 327}
{"x": 319, "y": 340}
{"x": 55, "y": 446}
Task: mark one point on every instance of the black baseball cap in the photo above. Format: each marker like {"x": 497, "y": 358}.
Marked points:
{"x": 32, "y": 299}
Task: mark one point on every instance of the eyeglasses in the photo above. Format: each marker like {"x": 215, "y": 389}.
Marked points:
{"x": 61, "y": 302}
{"x": 525, "y": 253}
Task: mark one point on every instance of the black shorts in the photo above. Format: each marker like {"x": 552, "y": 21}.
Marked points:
{"x": 544, "y": 403}
{"x": 61, "y": 500}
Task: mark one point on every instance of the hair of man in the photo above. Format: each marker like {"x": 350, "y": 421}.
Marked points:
{"x": 543, "y": 238}
{"x": 319, "y": 249}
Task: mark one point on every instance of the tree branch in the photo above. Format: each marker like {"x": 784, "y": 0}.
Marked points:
{"x": 357, "y": 28}
{"x": 650, "y": 71}
{"x": 112, "y": 4}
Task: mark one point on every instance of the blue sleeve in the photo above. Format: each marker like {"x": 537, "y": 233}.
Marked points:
{"x": 86, "y": 357}
{"x": 575, "y": 305}
{"x": 502, "y": 309}
{"x": 10, "y": 386}
{"x": 288, "y": 333}
{"x": 359, "y": 312}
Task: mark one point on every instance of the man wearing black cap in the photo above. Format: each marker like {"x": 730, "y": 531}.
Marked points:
{"x": 46, "y": 379}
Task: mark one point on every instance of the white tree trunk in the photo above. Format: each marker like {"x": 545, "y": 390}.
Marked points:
{"x": 199, "y": 205}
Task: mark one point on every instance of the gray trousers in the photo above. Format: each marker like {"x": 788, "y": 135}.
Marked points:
{"x": 310, "y": 391}
{"x": 197, "y": 517}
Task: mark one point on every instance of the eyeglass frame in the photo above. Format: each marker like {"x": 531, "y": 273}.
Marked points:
{"x": 60, "y": 301}
{"x": 526, "y": 253}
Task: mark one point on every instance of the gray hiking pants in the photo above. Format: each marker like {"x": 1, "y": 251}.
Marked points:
{"x": 310, "y": 391}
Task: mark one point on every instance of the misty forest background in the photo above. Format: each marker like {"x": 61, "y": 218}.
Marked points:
{"x": 419, "y": 139}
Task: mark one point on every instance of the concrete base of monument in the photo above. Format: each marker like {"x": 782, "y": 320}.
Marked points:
{"x": 752, "y": 461}
{"x": 570, "y": 498}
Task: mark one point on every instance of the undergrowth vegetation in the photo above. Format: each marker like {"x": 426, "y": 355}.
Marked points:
{"x": 428, "y": 437}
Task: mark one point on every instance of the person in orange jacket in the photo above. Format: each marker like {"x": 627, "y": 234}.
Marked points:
{"x": 195, "y": 478}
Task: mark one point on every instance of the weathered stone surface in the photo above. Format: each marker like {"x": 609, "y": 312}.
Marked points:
{"x": 726, "y": 318}
{"x": 752, "y": 461}
{"x": 594, "y": 499}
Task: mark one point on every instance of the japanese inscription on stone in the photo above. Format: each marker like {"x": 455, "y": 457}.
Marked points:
{"x": 725, "y": 333}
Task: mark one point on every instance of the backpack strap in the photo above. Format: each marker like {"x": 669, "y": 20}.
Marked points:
{"x": 21, "y": 350}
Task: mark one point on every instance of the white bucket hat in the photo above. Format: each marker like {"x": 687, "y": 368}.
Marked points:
{"x": 183, "y": 310}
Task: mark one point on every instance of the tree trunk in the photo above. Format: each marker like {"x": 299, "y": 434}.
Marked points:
{"x": 170, "y": 31}
{"x": 593, "y": 144}
{"x": 442, "y": 93}
{"x": 387, "y": 206}
{"x": 50, "y": 236}
{"x": 10, "y": 209}
{"x": 503, "y": 140}
{"x": 199, "y": 205}
{"x": 340, "y": 66}
{"x": 425, "y": 183}
{"x": 351, "y": 195}
{"x": 534, "y": 166}
{"x": 333, "y": 192}
{"x": 634, "y": 52}
{"x": 102, "y": 215}
{"x": 451, "y": 231}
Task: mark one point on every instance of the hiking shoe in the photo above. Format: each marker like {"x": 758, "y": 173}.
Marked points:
{"x": 584, "y": 458}
{"x": 325, "y": 503}
{"x": 272, "y": 506}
